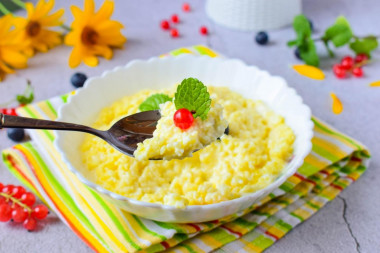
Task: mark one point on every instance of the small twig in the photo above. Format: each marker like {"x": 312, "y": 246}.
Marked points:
{"x": 67, "y": 28}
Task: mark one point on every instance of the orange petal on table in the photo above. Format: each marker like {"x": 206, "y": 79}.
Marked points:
{"x": 337, "y": 106}
{"x": 309, "y": 71}
{"x": 375, "y": 84}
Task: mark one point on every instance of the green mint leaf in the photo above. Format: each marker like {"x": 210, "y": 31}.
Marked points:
{"x": 153, "y": 102}
{"x": 192, "y": 94}
{"x": 365, "y": 45}
{"x": 308, "y": 53}
{"x": 302, "y": 28}
{"x": 339, "y": 33}
{"x": 27, "y": 97}
{"x": 292, "y": 43}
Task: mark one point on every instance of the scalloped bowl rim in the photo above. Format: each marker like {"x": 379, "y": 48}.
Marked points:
{"x": 294, "y": 164}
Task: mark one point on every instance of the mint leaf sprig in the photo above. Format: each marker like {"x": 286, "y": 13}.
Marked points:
{"x": 153, "y": 102}
{"x": 338, "y": 34}
{"x": 25, "y": 98}
{"x": 191, "y": 94}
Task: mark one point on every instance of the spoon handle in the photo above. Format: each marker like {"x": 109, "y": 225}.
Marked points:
{"x": 8, "y": 121}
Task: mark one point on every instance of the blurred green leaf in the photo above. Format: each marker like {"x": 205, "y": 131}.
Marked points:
{"x": 9, "y": 6}
{"x": 308, "y": 53}
{"x": 339, "y": 33}
{"x": 364, "y": 45}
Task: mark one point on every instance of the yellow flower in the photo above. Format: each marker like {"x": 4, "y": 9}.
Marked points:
{"x": 11, "y": 45}
{"x": 93, "y": 34}
{"x": 36, "y": 26}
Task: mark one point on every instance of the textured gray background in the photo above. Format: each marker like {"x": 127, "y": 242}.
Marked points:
{"x": 351, "y": 223}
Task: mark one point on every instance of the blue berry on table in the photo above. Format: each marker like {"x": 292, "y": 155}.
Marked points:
{"x": 78, "y": 79}
{"x": 297, "y": 53}
{"x": 16, "y": 134}
{"x": 262, "y": 38}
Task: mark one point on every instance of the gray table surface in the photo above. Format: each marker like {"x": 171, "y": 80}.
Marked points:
{"x": 350, "y": 223}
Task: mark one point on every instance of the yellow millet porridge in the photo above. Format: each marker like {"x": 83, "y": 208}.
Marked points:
{"x": 169, "y": 141}
{"x": 248, "y": 159}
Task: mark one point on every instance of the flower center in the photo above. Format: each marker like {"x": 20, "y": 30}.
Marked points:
{"x": 89, "y": 36}
{"x": 33, "y": 28}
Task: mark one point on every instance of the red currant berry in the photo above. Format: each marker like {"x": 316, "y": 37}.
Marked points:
{"x": 40, "y": 212}
{"x": 1, "y": 187}
{"x": 2, "y": 200}
{"x": 165, "y": 24}
{"x": 339, "y": 71}
{"x": 10, "y": 111}
{"x": 174, "y": 33}
{"x": 347, "y": 62}
{"x": 19, "y": 214}
{"x": 28, "y": 199}
{"x": 5, "y": 212}
{"x": 186, "y": 7}
{"x": 8, "y": 189}
{"x": 18, "y": 191}
{"x": 30, "y": 224}
{"x": 358, "y": 72}
{"x": 361, "y": 57}
{"x": 175, "y": 18}
{"x": 203, "y": 30}
{"x": 183, "y": 118}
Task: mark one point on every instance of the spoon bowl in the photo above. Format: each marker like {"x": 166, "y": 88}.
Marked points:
{"x": 124, "y": 135}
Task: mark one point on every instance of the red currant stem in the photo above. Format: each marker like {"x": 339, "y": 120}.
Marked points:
{"x": 16, "y": 201}
{"x": 360, "y": 64}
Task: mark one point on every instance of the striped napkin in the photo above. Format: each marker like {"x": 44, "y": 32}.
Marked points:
{"x": 334, "y": 163}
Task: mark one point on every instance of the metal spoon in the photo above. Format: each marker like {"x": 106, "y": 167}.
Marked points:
{"x": 124, "y": 135}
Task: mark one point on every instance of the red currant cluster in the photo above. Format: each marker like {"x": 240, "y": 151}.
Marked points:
{"x": 8, "y": 111}
{"x": 16, "y": 204}
{"x": 165, "y": 24}
{"x": 350, "y": 65}
{"x": 183, "y": 118}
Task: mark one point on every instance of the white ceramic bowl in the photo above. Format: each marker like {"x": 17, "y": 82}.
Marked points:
{"x": 156, "y": 73}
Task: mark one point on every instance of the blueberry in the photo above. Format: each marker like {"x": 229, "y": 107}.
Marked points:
{"x": 297, "y": 53}
{"x": 78, "y": 79}
{"x": 227, "y": 130}
{"x": 262, "y": 38}
{"x": 311, "y": 25}
{"x": 16, "y": 134}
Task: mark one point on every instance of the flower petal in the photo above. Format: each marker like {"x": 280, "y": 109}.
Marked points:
{"x": 73, "y": 38}
{"x": 29, "y": 9}
{"x": 53, "y": 19}
{"x": 105, "y": 11}
{"x": 43, "y": 8}
{"x": 309, "y": 71}
{"x": 4, "y": 68}
{"x": 75, "y": 57}
{"x": 14, "y": 59}
{"x": 375, "y": 84}
{"x": 104, "y": 51}
{"x": 89, "y": 7}
{"x": 91, "y": 61}
{"x": 337, "y": 106}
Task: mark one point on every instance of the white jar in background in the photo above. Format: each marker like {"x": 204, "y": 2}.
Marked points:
{"x": 251, "y": 15}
